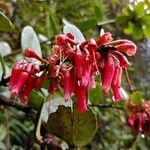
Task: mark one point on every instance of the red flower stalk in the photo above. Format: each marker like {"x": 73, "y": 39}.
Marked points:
{"x": 31, "y": 54}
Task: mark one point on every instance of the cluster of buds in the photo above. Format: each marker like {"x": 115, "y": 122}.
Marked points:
{"x": 139, "y": 119}
{"x": 24, "y": 79}
{"x": 72, "y": 66}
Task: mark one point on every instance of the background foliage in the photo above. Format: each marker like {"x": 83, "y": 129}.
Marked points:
{"x": 122, "y": 18}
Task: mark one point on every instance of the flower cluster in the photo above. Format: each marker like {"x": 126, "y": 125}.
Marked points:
{"x": 139, "y": 119}
{"x": 72, "y": 66}
{"x": 24, "y": 79}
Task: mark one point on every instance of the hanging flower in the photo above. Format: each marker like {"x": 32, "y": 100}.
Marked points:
{"x": 139, "y": 118}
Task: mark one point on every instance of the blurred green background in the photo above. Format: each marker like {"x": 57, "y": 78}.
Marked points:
{"x": 124, "y": 19}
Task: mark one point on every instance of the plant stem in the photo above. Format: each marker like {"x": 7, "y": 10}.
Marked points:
{"x": 107, "y": 106}
{"x": 106, "y": 22}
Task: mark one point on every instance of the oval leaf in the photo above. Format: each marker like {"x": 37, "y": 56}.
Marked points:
{"x": 69, "y": 28}
{"x": 5, "y": 49}
{"x": 84, "y": 126}
{"x": 5, "y": 23}
{"x": 29, "y": 39}
{"x": 73, "y": 127}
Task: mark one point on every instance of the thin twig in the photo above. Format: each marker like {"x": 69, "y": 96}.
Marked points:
{"x": 10, "y": 102}
{"x": 106, "y": 22}
{"x": 107, "y": 106}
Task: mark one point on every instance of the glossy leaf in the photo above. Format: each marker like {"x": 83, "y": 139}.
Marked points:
{"x": 29, "y": 39}
{"x": 73, "y": 127}
{"x": 5, "y": 49}
{"x": 69, "y": 28}
{"x": 5, "y": 23}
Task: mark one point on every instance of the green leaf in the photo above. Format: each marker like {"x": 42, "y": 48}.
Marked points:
{"x": 139, "y": 8}
{"x": 5, "y": 23}
{"x": 122, "y": 20}
{"x": 29, "y": 39}
{"x": 88, "y": 24}
{"x": 95, "y": 94}
{"x": 136, "y": 97}
{"x": 129, "y": 29}
{"x": 98, "y": 13}
{"x": 146, "y": 20}
{"x": 60, "y": 124}
{"x": 84, "y": 126}
{"x": 146, "y": 31}
{"x": 35, "y": 100}
{"x": 73, "y": 127}
{"x": 127, "y": 11}
{"x": 70, "y": 28}
{"x": 53, "y": 101}
{"x": 53, "y": 25}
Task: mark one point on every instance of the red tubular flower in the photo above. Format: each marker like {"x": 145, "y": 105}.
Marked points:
{"x": 122, "y": 59}
{"x": 54, "y": 86}
{"x": 66, "y": 79}
{"x": 117, "y": 93}
{"x": 92, "y": 83}
{"x": 39, "y": 81}
{"x": 81, "y": 93}
{"x": 20, "y": 82}
{"x": 79, "y": 61}
{"x": 116, "y": 84}
{"x": 27, "y": 90}
{"x": 128, "y": 48}
{"x": 86, "y": 72}
{"x": 105, "y": 38}
{"x": 31, "y": 54}
{"x": 14, "y": 75}
{"x": 35, "y": 69}
{"x": 108, "y": 73}
{"x": 62, "y": 40}
{"x": 139, "y": 118}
